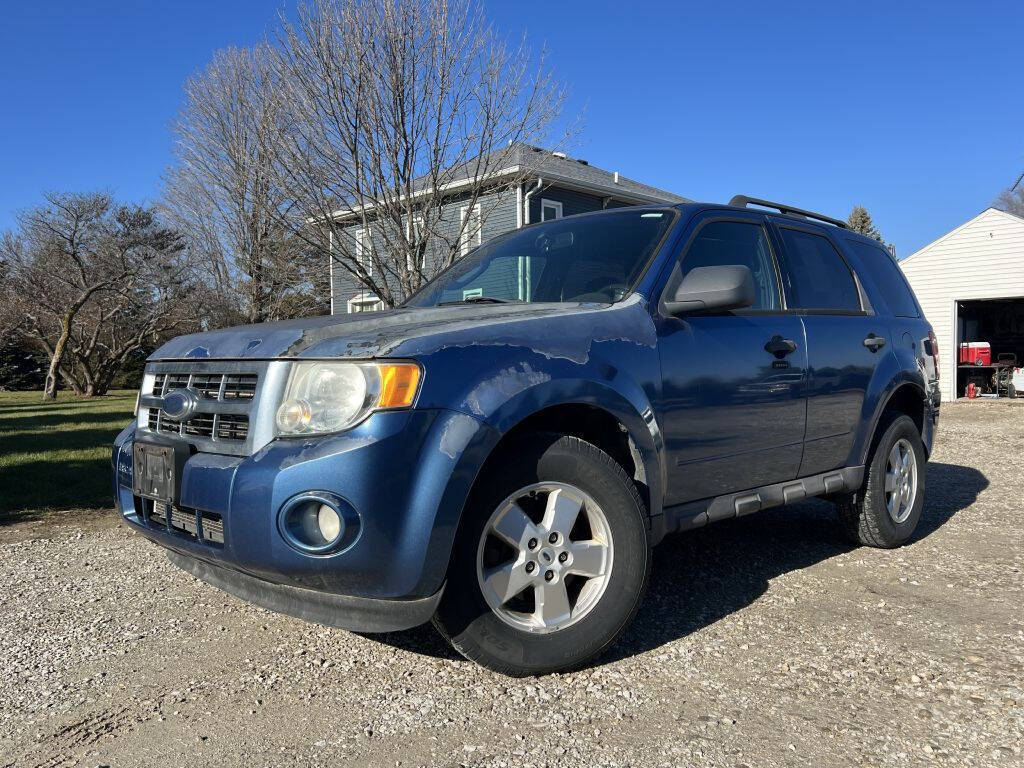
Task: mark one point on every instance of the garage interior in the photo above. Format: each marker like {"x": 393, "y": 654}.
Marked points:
{"x": 1000, "y": 323}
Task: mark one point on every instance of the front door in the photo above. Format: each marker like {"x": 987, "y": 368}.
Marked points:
{"x": 733, "y": 406}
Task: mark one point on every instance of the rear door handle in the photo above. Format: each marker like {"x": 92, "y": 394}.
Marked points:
{"x": 874, "y": 343}
{"x": 779, "y": 346}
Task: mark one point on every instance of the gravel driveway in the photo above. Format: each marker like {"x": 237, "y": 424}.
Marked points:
{"x": 763, "y": 641}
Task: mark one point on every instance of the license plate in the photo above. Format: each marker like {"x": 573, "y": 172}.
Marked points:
{"x": 153, "y": 474}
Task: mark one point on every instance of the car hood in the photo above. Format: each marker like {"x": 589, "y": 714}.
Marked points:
{"x": 398, "y": 332}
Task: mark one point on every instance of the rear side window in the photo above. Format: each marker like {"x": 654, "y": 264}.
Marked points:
{"x": 888, "y": 277}
{"x": 817, "y": 276}
{"x": 724, "y": 243}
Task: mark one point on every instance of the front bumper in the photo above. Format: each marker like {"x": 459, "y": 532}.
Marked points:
{"x": 358, "y": 614}
{"x": 406, "y": 474}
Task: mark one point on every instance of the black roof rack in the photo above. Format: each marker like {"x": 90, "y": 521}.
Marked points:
{"x": 742, "y": 201}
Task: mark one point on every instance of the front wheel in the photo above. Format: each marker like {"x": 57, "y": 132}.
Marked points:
{"x": 885, "y": 511}
{"x": 551, "y": 560}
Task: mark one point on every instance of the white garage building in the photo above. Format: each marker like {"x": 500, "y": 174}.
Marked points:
{"x": 970, "y": 283}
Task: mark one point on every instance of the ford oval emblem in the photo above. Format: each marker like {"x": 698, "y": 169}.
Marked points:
{"x": 180, "y": 404}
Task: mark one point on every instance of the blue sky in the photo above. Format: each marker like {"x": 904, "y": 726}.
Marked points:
{"x": 916, "y": 113}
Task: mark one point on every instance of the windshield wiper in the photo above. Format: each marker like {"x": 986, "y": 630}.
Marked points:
{"x": 479, "y": 300}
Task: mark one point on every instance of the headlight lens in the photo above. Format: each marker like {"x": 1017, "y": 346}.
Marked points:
{"x": 324, "y": 397}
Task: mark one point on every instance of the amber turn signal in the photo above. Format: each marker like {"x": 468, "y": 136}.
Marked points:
{"x": 398, "y": 384}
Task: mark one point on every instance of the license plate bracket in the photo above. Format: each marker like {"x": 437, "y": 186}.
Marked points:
{"x": 154, "y": 475}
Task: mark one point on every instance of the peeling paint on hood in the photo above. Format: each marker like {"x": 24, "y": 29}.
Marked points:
{"x": 398, "y": 332}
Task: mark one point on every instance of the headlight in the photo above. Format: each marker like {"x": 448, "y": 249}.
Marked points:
{"x": 324, "y": 397}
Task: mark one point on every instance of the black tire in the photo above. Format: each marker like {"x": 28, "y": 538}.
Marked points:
{"x": 464, "y": 616}
{"x": 863, "y": 515}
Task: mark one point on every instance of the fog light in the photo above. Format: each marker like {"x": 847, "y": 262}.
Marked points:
{"x": 318, "y": 523}
{"x": 329, "y": 522}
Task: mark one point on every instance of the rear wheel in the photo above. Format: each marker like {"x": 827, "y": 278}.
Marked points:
{"x": 886, "y": 509}
{"x": 551, "y": 560}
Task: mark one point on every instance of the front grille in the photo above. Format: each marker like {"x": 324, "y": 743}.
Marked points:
{"x": 213, "y": 387}
{"x": 234, "y": 402}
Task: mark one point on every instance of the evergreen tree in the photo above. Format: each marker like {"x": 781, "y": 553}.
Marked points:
{"x": 20, "y": 367}
{"x": 860, "y": 221}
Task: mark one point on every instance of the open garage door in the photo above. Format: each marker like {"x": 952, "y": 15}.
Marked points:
{"x": 990, "y": 346}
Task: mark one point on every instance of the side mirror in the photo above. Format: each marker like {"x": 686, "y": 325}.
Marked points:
{"x": 713, "y": 288}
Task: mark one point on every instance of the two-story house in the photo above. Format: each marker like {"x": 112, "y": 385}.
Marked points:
{"x": 548, "y": 185}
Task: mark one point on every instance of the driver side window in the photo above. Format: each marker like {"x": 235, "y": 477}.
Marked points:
{"x": 723, "y": 243}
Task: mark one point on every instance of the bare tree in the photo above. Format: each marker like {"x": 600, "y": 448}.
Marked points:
{"x": 1012, "y": 200}
{"x": 391, "y": 103}
{"x": 223, "y": 193}
{"x": 87, "y": 283}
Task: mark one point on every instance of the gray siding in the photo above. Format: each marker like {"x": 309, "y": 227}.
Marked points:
{"x": 499, "y": 215}
{"x": 498, "y": 212}
{"x": 573, "y": 202}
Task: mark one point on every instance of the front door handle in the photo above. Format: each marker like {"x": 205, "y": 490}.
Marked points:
{"x": 779, "y": 346}
{"x": 874, "y": 343}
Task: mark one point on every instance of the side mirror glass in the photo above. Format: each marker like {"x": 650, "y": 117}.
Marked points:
{"x": 713, "y": 288}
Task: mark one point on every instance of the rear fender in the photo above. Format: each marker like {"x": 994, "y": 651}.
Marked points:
{"x": 876, "y": 404}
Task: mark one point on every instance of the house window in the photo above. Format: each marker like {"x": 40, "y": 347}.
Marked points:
{"x": 471, "y": 229}
{"x": 418, "y": 242}
{"x": 365, "y": 302}
{"x": 550, "y": 209}
{"x": 364, "y": 250}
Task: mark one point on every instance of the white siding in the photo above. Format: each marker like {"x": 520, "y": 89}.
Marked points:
{"x": 981, "y": 259}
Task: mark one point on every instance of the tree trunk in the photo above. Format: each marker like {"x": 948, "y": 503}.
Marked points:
{"x": 50, "y": 388}
{"x": 103, "y": 382}
{"x": 87, "y": 379}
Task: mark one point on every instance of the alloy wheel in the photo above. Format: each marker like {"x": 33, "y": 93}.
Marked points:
{"x": 900, "y": 480}
{"x": 544, "y": 557}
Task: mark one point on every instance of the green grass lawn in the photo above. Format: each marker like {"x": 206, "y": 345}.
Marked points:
{"x": 56, "y": 455}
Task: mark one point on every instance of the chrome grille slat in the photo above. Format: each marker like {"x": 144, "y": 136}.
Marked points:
{"x": 232, "y": 427}
{"x": 200, "y": 424}
{"x": 208, "y": 385}
{"x": 238, "y": 387}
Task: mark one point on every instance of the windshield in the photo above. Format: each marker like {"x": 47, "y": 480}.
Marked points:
{"x": 585, "y": 258}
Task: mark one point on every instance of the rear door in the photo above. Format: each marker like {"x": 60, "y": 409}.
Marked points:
{"x": 732, "y": 406}
{"x": 845, "y": 341}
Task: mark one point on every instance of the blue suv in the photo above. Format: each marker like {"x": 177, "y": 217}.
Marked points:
{"x": 500, "y": 453}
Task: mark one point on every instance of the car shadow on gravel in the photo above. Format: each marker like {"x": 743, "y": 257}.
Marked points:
{"x": 700, "y": 577}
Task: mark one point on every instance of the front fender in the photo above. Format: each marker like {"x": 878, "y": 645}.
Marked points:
{"x": 621, "y": 397}
{"x": 468, "y": 442}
